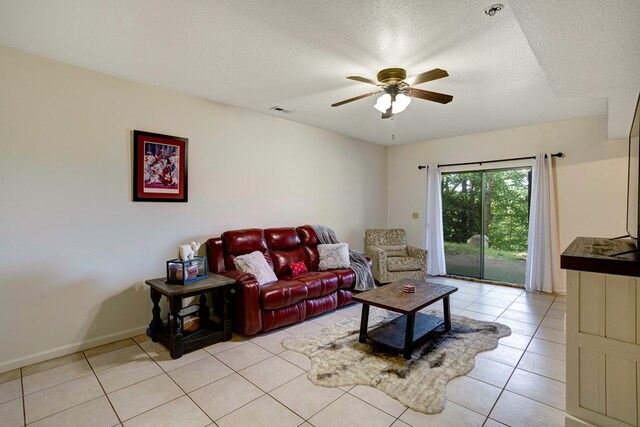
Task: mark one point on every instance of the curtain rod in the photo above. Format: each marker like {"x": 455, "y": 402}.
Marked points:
{"x": 559, "y": 154}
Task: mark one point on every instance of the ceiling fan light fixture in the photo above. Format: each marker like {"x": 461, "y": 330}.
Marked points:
{"x": 383, "y": 103}
{"x": 396, "y": 92}
{"x": 401, "y": 103}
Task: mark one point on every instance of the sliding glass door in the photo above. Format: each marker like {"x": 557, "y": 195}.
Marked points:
{"x": 462, "y": 222}
{"x": 486, "y": 222}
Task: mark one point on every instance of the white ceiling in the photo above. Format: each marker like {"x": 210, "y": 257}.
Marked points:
{"x": 256, "y": 54}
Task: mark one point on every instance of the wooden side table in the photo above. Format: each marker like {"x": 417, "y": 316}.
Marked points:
{"x": 210, "y": 332}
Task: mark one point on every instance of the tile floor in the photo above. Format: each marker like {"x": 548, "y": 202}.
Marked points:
{"x": 256, "y": 382}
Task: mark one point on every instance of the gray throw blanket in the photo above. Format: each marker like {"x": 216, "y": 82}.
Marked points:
{"x": 359, "y": 264}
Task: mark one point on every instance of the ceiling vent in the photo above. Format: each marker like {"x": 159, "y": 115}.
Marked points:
{"x": 280, "y": 109}
{"x": 493, "y": 9}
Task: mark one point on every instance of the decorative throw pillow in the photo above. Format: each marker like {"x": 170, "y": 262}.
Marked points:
{"x": 254, "y": 263}
{"x": 334, "y": 255}
{"x": 398, "y": 250}
{"x": 297, "y": 268}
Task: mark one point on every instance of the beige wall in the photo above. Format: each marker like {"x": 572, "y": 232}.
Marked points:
{"x": 75, "y": 249}
{"x": 591, "y": 179}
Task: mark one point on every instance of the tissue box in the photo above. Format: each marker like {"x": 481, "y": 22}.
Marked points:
{"x": 185, "y": 272}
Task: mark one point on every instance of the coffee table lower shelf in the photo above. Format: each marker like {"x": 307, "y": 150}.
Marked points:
{"x": 392, "y": 334}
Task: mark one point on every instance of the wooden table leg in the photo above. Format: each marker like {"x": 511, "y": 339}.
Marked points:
{"x": 203, "y": 311}
{"x": 175, "y": 328}
{"x": 408, "y": 336}
{"x": 226, "y": 319}
{"x": 364, "y": 323}
{"x": 447, "y": 313}
{"x": 156, "y": 325}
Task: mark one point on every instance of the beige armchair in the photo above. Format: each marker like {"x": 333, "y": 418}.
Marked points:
{"x": 392, "y": 258}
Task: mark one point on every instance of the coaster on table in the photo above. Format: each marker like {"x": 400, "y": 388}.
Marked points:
{"x": 409, "y": 288}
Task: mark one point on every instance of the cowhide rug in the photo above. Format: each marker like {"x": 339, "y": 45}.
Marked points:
{"x": 338, "y": 359}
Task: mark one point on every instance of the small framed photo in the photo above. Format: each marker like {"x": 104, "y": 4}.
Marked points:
{"x": 159, "y": 167}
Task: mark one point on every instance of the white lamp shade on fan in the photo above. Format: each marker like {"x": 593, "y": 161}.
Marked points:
{"x": 398, "y": 105}
{"x": 383, "y": 103}
{"x": 402, "y": 101}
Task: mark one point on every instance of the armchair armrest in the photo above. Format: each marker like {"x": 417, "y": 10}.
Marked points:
{"x": 378, "y": 259}
{"x": 247, "y": 315}
{"x": 416, "y": 252}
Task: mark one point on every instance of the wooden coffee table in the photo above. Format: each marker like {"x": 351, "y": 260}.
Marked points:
{"x": 404, "y": 332}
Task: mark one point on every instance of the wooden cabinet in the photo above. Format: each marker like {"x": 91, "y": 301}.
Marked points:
{"x": 603, "y": 333}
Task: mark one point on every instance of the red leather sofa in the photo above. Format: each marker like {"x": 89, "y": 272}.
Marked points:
{"x": 290, "y": 299}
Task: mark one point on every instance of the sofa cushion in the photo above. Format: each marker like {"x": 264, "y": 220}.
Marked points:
{"x": 396, "y": 250}
{"x": 280, "y": 317}
{"x": 344, "y": 297}
{"x": 333, "y": 255}
{"x": 241, "y": 242}
{"x": 316, "y": 306}
{"x": 284, "y": 247}
{"x": 282, "y": 293}
{"x": 282, "y": 259}
{"x": 404, "y": 264}
{"x": 282, "y": 239}
{"x": 255, "y": 263}
{"x": 319, "y": 283}
{"x": 310, "y": 244}
{"x": 308, "y": 237}
{"x": 346, "y": 277}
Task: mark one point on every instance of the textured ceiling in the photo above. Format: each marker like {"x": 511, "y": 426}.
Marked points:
{"x": 588, "y": 48}
{"x": 256, "y": 54}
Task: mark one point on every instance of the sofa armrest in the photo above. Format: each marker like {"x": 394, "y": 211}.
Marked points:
{"x": 378, "y": 260}
{"x": 416, "y": 252}
{"x": 369, "y": 261}
{"x": 215, "y": 254}
{"x": 247, "y": 315}
{"x": 238, "y": 275}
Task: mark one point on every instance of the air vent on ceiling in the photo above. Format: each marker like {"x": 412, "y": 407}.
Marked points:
{"x": 280, "y": 109}
{"x": 493, "y": 9}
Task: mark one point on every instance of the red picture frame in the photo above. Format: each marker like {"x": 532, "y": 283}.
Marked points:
{"x": 159, "y": 167}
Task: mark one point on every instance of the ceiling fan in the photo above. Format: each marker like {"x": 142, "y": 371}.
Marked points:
{"x": 398, "y": 91}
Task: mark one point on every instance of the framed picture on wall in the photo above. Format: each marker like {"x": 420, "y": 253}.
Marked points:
{"x": 159, "y": 167}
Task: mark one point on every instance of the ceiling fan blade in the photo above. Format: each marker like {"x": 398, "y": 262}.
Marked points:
{"x": 430, "y": 96}
{"x": 355, "y": 98}
{"x": 427, "y": 76}
{"x": 363, "y": 80}
{"x": 387, "y": 114}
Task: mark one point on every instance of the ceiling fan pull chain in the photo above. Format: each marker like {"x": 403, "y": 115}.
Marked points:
{"x": 393, "y": 130}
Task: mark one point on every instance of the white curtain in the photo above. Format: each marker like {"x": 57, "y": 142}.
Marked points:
{"x": 433, "y": 223}
{"x": 543, "y": 255}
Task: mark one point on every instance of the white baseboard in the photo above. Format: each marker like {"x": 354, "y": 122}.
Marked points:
{"x": 571, "y": 421}
{"x": 70, "y": 348}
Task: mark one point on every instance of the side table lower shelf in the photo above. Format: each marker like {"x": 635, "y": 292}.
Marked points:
{"x": 208, "y": 334}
